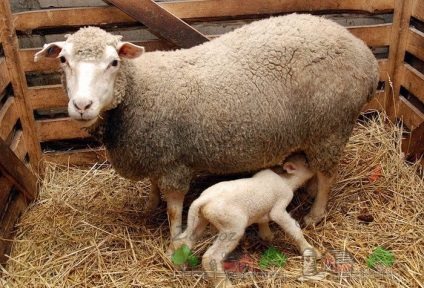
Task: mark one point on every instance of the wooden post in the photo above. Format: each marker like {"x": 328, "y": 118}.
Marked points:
{"x": 17, "y": 77}
{"x": 161, "y": 22}
{"x": 398, "y": 43}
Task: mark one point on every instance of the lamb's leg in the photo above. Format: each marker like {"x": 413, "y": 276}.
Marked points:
{"x": 291, "y": 227}
{"x": 318, "y": 208}
{"x": 265, "y": 232}
{"x": 154, "y": 198}
{"x": 213, "y": 257}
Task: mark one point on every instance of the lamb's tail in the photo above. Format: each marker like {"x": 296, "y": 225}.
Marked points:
{"x": 195, "y": 219}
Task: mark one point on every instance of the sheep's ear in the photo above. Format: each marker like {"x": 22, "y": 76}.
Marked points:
{"x": 51, "y": 50}
{"x": 290, "y": 167}
{"x": 129, "y": 50}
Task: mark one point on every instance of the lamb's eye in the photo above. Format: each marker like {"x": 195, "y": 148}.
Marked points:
{"x": 114, "y": 63}
{"x": 62, "y": 59}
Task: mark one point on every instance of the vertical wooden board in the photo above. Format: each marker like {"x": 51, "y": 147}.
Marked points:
{"x": 17, "y": 76}
{"x": 8, "y": 117}
{"x": 4, "y": 75}
{"x": 15, "y": 209}
{"x": 5, "y": 187}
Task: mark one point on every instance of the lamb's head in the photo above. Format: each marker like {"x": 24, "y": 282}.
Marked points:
{"x": 91, "y": 65}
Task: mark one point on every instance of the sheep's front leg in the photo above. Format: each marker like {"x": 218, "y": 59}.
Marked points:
{"x": 318, "y": 208}
{"x": 154, "y": 198}
{"x": 175, "y": 200}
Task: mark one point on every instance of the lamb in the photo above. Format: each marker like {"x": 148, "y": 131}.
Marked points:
{"x": 231, "y": 206}
{"x": 238, "y": 103}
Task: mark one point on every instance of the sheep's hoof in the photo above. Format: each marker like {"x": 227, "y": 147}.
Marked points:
{"x": 312, "y": 220}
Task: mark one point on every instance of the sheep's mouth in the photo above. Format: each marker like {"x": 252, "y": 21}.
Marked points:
{"x": 86, "y": 122}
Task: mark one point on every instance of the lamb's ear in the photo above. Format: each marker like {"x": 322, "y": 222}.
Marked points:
{"x": 129, "y": 50}
{"x": 51, "y": 50}
{"x": 290, "y": 167}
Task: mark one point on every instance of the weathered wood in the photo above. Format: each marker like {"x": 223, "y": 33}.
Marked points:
{"x": 410, "y": 115}
{"x": 190, "y": 11}
{"x": 11, "y": 216}
{"x": 59, "y": 129}
{"x": 5, "y": 187}
{"x": 16, "y": 171}
{"x": 377, "y": 103}
{"x": 18, "y": 145}
{"x": 382, "y": 65}
{"x": 83, "y": 157}
{"x": 161, "y": 22}
{"x": 373, "y": 35}
{"x": 413, "y": 81}
{"x": 42, "y": 97}
{"x": 418, "y": 9}
{"x": 17, "y": 77}
{"x": 416, "y": 43}
{"x": 414, "y": 143}
{"x": 4, "y": 75}
{"x": 401, "y": 20}
{"x": 8, "y": 117}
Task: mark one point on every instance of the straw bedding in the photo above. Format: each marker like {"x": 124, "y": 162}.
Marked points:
{"x": 87, "y": 228}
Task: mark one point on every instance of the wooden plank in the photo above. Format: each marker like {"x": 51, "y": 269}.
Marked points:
{"x": 377, "y": 103}
{"x": 161, "y": 22}
{"x": 8, "y": 117}
{"x": 83, "y": 157}
{"x": 18, "y": 145}
{"x": 42, "y": 97}
{"x": 59, "y": 129}
{"x": 5, "y": 187}
{"x": 17, "y": 76}
{"x": 418, "y": 9}
{"x": 414, "y": 144}
{"x": 190, "y": 11}
{"x": 416, "y": 43}
{"x": 399, "y": 39}
{"x": 10, "y": 218}
{"x": 410, "y": 115}
{"x": 16, "y": 171}
{"x": 4, "y": 75}
{"x": 382, "y": 65}
{"x": 413, "y": 81}
{"x": 373, "y": 35}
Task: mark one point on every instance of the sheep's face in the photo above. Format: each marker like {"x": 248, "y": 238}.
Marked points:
{"x": 91, "y": 71}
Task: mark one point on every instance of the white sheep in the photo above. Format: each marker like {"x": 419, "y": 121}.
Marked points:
{"x": 241, "y": 102}
{"x": 231, "y": 206}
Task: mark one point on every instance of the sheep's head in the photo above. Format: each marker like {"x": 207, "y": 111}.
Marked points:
{"x": 91, "y": 60}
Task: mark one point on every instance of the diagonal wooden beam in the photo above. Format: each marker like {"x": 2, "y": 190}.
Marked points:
{"x": 161, "y": 22}
{"x": 17, "y": 172}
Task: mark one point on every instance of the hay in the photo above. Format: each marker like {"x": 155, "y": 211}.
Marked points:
{"x": 87, "y": 228}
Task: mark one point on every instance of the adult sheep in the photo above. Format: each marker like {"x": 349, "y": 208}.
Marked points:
{"x": 241, "y": 102}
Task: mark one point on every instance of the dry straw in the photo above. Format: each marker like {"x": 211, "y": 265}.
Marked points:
{"x": 87, "y": 228}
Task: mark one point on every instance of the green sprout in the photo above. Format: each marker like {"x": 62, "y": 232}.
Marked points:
{"x": 272, "y": 257}
{"x": 184, "y": 254}
{"x": 382, "y": 256}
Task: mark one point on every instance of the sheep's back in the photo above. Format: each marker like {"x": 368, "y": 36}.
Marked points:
{"x": 246, "y": 99}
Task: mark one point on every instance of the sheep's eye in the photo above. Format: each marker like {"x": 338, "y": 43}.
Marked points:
{"x": 114, "y": 63}
{"x": 62, "y": 59}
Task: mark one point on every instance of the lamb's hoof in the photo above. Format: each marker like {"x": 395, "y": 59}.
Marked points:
{"x": 266, "y": 236}
{"x": 312, "y": 220}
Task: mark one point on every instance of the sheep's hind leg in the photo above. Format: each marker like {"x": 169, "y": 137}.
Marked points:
{"x": 318, "y": 208}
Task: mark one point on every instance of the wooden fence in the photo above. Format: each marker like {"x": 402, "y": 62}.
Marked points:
{"x": 29, "y": 136}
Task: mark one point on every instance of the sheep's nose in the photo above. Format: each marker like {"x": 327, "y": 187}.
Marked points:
{"x": 82, "y": 106}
